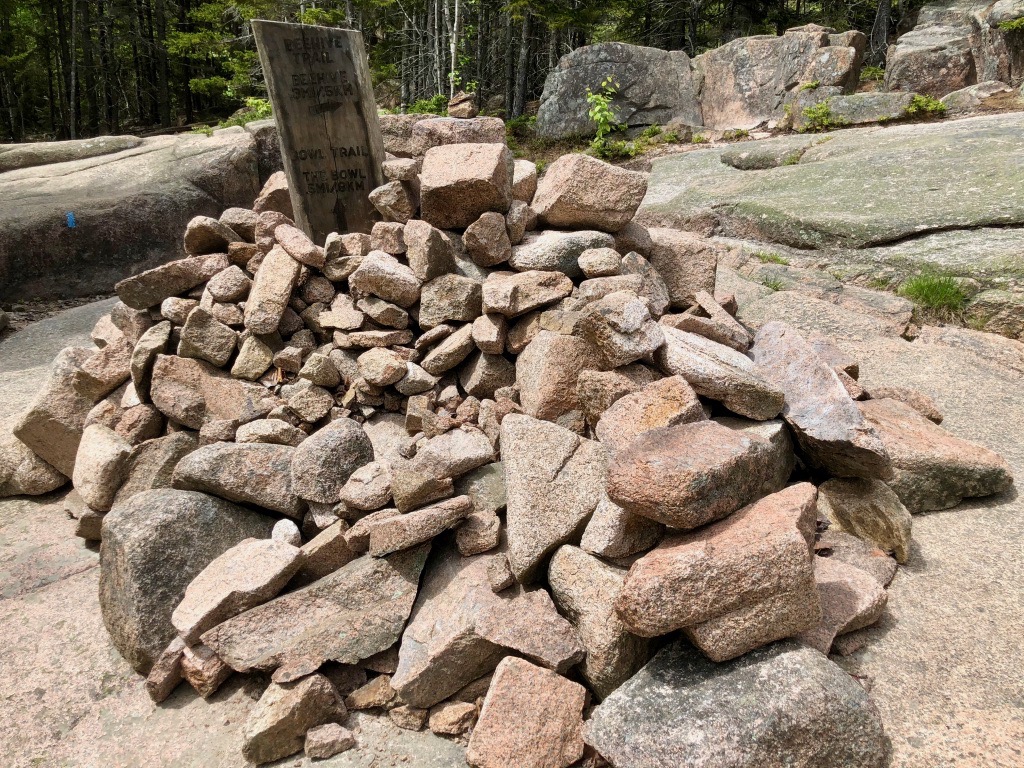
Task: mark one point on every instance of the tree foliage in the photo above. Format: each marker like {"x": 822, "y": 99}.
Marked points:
{"x": 73, "y": 68}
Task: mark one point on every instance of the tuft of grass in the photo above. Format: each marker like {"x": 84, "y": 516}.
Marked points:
{"x": 767, "y": 257}
{"x": 940, "y": 294}
{"x": 670, "y": 137}
{"x": 773, "y": 283}
{"x": 811, "y": 86}
{"x": 1013, "y": 25}
{"x": 925, "y": 106}
{"x": 736, "y": 134}
{"x": 872, "y": 74}
{"x": 878, "y": 283}
{"x": 651, "y": 131}
{"x": 699, "y": 138}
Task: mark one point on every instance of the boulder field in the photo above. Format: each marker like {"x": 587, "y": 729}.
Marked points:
{"x": 513, "y": 468}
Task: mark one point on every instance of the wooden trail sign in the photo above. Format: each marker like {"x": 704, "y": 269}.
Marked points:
{"x": 319, "y": 85}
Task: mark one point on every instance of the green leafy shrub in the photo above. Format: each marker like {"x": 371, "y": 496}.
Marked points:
{"x": 651, "y": 132}
{"x": 255, "y": 109}
{"x": 819, "y": 117}
{"x": 603, "y": 116}
{"x": 871, "y": 74}
{"x": 435, "y": 105}
{"x": 925, "y": 106}
{"x": 811, "y": 86}
{"x": 699, "y": 138}
{"x": 670, "y": 137}
{"x": 735, "y": 134}
{"x": 940, "y": 293}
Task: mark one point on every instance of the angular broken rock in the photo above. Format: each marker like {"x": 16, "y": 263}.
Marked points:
{"x": 487, "y": 240}
{"x": 664, "y": 403}
{"x": 450, "y": 352}
{"x": 687, "y": 263}
{"x": 781, "y": 705}
{"x": 204, "y": 234}
{"x": 325, "y": 460}
{"x": 621, "y": 329}
{"x": 151, "y": 344}
{"x": 846, "y": 548}
{"x": 347, "y": 616}
{"x": 735, "y": 585}
{"x": 206, "y": 338}
{"x": 279, "y": 721}
{"x": 253, "y": 473}
{"x": 449, "y": 298}
{"x": 720, "y": 373}
{"x": 531, "y": 718}
{"x": 548, "y": 371}
{"x": 613, "y": 532}
{"x": 271, "y": 291}
{"x": 483, "y": 375}
{"x": 933, "y": 469}
{"x": 325, "y": 553}
{"x": 22, "y": 472}
{"x": 193, "y": 392}
{"x": 105, "y": 370}
{"x": 165, "y": 674}
{"x": 101, "y": 466}
{"x": 454, "y": 453}
{"x": 368, "y": 488}
{"x": 328, "y": 740}
{"x": 513, "y": 294}
{"x": 829, "y": 429}
{"x": 868, "y": 509}
{"x": 460, "y": 629}
{"x": 553, "y": 479}
{"x": 52, "y": 425}
{"x": 151, "y": 464}
{"x": 140, "y": 586}
{"x": 916, "y": 399}
{"x": 149, "y": 288}
{"x": 459, "y": 182}
{"x": 250, "y": 573}
{"x": 452, "y": 718}
{"x": 851, "y": 599}
{"x": 428, "y": 251}
{"x": 585, "y": 589}
{"x": 203, "y": 670}
{"x": 403, "y": 531}
{"x": 692, "y": 474}
{"x": 384, "y": 276}
{"x": 597, "y": 390}
{"x": 579, "y": 191}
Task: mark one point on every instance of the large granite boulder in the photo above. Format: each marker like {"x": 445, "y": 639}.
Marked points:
{"x": 745, "y": 82}
{"x": 153, "y": 546}
{"x": 76, "y": 225}
{"x": 780, "y": 705}
{"x": 958, "y": 43}
{"x": 653, "y": 87}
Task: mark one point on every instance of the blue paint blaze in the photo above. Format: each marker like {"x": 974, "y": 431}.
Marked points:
{"x": 71, "y": 219}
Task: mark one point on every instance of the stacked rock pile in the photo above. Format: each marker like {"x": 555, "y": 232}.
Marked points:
{"x": 537, "y": 490}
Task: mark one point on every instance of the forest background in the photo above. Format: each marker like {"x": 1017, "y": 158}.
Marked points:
{"x": 79, "y": 68}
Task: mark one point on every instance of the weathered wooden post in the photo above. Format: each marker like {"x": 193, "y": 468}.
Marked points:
{"x": 319, "y": 85}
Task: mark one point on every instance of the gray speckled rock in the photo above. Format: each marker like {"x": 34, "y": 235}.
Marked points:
{"x": 829, "y": 429}
{"x": 584, "y": 589}
{"x": 554, "y": 251}
{"x": 779, "y": 705}
{"x": 934, "y": 469}
{"x": 719, "y": 372}
{"x": 253, "y": 473}
{"x": 325, "y": 460}
{"x": 153, "y": 546}
{"x": 346, "y": 616}
{"x": 553, "y": 479}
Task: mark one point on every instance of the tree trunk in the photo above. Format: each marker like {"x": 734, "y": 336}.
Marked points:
{"x": 92, "y": 126}
{"x": 522, "y": 73}
{"x": 878, "y": 43}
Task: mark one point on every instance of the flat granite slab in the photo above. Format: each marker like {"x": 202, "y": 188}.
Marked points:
{"x": 850, "y": 188}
